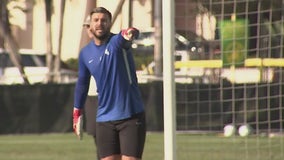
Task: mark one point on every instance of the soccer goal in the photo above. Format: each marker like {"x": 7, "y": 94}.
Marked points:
{"x": 227, "y": 96}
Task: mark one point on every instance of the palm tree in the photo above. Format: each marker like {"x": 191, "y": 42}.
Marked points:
{"x": 9, "y": 40}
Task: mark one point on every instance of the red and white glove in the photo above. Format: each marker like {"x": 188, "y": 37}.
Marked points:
{"x": 78, "y": 122}
{"x": 130, "y": 33}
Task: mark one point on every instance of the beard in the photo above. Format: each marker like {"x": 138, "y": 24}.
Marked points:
{"x": 101, "y": 36}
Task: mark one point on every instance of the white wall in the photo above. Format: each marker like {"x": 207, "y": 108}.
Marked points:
{"x": 75, "y": 13}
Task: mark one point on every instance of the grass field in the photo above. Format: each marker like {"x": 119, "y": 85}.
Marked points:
{"x": 195, "y": 147}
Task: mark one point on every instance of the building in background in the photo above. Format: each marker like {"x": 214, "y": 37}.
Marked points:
{"x": 31, "y": 34}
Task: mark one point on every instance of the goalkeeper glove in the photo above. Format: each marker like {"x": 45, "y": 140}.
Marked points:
{"x": 78, "y": 122}
{"x": 130, "y": 33}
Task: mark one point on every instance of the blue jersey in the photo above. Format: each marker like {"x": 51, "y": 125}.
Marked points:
{"x": 113, "y": 68}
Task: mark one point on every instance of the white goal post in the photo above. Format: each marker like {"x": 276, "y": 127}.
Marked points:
{"x": 168, "y": 80}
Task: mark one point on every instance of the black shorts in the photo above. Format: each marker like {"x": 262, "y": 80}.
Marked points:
{"x": 125, "y": 137}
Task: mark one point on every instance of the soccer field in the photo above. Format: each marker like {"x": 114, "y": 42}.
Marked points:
{"x": 189, "y": 146}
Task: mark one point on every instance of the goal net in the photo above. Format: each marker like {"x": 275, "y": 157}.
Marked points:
{"x": 230, "y": 79}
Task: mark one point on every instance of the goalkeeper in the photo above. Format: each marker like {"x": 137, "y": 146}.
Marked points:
{"x": 120, "y": 119}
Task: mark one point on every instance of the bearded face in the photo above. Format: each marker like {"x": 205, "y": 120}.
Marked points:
{"x": 100, "y": 26}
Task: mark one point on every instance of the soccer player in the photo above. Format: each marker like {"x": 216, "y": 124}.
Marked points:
{"x": 120, "y": 119}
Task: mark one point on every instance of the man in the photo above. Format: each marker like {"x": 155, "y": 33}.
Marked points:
{"x": 86, "y": 25}
{"x": 120, "y": 120}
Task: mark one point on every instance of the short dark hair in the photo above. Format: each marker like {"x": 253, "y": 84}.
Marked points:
{"x": 101, "y": 10}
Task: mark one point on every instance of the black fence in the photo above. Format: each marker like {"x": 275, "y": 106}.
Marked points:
{"x": 48, "y": 108}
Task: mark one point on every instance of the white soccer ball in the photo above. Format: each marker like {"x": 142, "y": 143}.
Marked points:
{"x": 244, "y": 130}
{"x": 229, "y": 130}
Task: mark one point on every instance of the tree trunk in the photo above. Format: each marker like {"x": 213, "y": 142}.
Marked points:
{"x": 49, "y": 55}
{"x": 117, "y": 11}
{"x": 57, "y": 66}
{"x": 158, "y": 39}
{"x": 12, "y": 46}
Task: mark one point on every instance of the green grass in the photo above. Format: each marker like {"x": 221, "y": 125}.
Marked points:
{"x": 195, "y": 147}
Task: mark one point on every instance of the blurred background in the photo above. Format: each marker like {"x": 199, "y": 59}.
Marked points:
{"x": 233, "y": 33}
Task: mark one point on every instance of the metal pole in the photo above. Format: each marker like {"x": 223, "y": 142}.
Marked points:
{"x": 169, "y": 83}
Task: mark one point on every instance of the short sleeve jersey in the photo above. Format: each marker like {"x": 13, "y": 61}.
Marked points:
{"x": 114, "y": 71}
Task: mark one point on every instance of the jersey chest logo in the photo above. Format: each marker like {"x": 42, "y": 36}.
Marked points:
{"x": 105, "y": 53}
